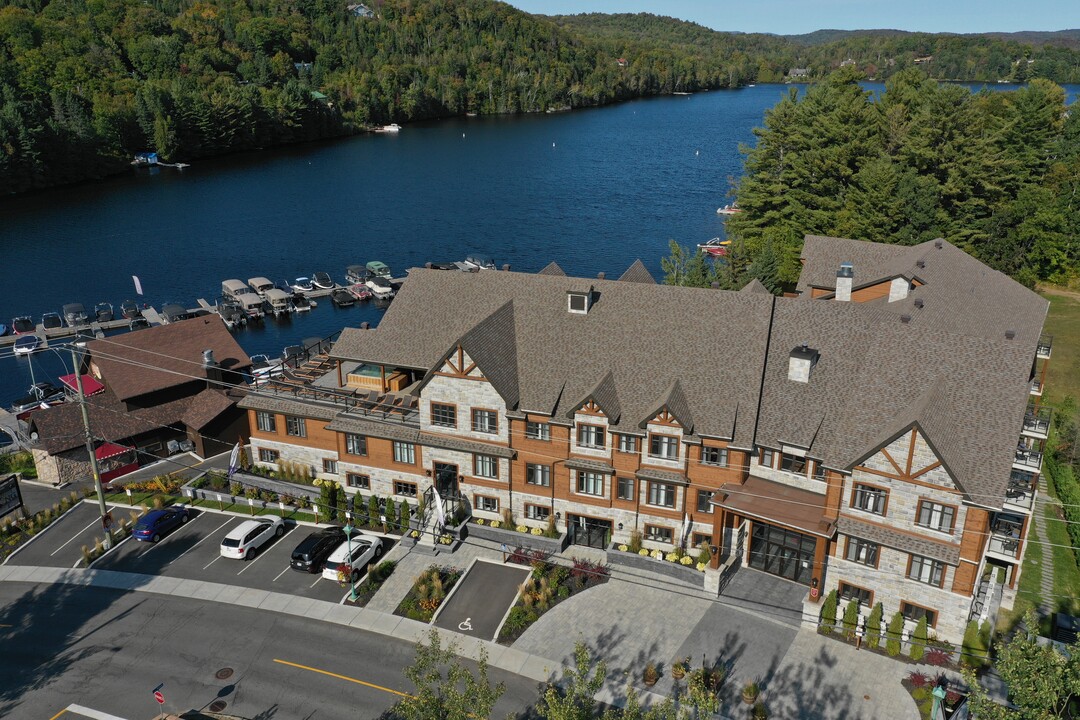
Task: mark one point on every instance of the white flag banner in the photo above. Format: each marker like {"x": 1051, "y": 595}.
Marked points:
{"x": 138, "y": 285}
{"x": 440, "y": 511}
{"x": 685, "y": 530}
{"x": 234, "y": 460}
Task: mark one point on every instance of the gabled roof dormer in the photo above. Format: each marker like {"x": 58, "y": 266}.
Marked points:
{"x": 672, "y": 409}
{"x": 579, "y": 300}
{"x": 603, "y": 400}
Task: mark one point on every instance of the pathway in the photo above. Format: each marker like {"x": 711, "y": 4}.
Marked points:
{"x": 1046, "y": 562}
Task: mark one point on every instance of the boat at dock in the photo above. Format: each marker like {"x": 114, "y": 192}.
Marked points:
{"x": 301, "y": 303}
{"x": 359, "y": 290}
{"x": 129, "y": 310}
{"x": 251, "y": 301}
{"x": 263, "y": 368}
{"x": 377, "y": 268}
{"x": 715, "y": 247}
{"x": 322, "y": 281}
{"x": 391, "y": 128}
{"x": 40, "y": 395}
{"x": 356, "y": 274}
{"x": 260, "y": 285}
{"x": 75, "y": 314}
{"x": 343, "y": 298}
{"x": 302, "y": 285}
{"x": 380, "y": 287}
{"x": 103, "y": 311}
{"x": 279, "y": 301}
{"x": 231, "y": 312}
{"x": 22, "y": 325}
{"x": 51, "y": 321}
{"x": 27, "y": 344}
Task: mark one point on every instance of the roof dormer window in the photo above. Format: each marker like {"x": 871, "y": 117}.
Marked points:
{"x": 579, "y": 301}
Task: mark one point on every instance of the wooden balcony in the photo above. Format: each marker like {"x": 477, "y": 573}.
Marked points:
{"x": 1045, "y": 347}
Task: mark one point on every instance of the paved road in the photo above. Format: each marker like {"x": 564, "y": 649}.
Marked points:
{"x": 107, "y": 650}
{"x": 482, "y": 598}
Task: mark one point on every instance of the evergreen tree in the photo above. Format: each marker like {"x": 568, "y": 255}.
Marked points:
{"x": 918, "y": 640}
{"x": 894, "y": 634}
{"x": 873, "y": 627}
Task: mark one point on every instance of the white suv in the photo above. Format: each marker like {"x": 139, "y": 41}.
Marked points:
{"x": 247, "y": 537}
{"x": 365, "y": 549}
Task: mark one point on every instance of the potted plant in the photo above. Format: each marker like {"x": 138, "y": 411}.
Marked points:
{"x": 651, "y": 674}
{"x": 344, "y": 574}
{"x": 759, "y": 712}
{"x": 750, "y": 692}
{"x": 678, "y": 669}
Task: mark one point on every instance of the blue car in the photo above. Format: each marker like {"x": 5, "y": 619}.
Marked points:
{"x": 156, "y": 523}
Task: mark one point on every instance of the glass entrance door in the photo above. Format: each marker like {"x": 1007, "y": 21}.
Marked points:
{"x": 782, "y": 552}
{"x": 589, "y": 531}
{"x": 446, "y": 480}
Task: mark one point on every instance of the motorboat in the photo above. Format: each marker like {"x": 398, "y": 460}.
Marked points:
{"x": 42, "y": 394}
{"x": 235, "y": 288}
{"x": 280, "y": 302}
{"x": 391, "y": 128}
{"x": 380, "y": 287}
{"x": 291, "y": 355}
{"x": 302, "y": 285}
{"x": 260, "y": 285}
{"x": 251, "y": 301}
{"x": 51, "y": 321}
{"x": 360, "y": 291}
{"x": 445, "y": 266}
{"x": 262, "y": 368}
{"x": 174, "y": 312}
{"x": 715, "y": 247}
{"x": 129, "y": 309}
{"x": 138, "y": 323}
{"x": 75, "y": 314}
{"x": 27, "y": 344}
{"x": 22, "y": 325}
{"x": 479, "y": 262}
{"x": 342, "y": 297}
{"x": 232, "y": 313}
{"x": 301, "y": 303}
{"x": 322, "y": 281}
{"x": 356, "y": 274}
{"x": 378, "y": 269}
{"x": 103, "y": 311}
{"x": 732, "y": 209}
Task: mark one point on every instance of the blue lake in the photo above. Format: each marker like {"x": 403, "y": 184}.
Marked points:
{"x": 592, "y": 190}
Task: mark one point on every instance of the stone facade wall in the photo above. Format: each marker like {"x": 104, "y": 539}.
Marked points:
{"x": 684, "y": 451}
{"x": 66, "y": 467}
{"x": 603, "y": 453}
{"x": 466, "y": 394}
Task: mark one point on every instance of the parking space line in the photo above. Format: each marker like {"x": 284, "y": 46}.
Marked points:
{"x": 97, "y": 521}
{"x": 211, "y": 562}
{"x": 205, "y": 538}
{"x": 259, "y": 555}
{"x": 344, "y": 677}
{"x": 316, "y": 581}
{"x": 287, "y": 569}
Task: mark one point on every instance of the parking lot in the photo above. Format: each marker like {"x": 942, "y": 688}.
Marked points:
{"x": 188, "y": 552}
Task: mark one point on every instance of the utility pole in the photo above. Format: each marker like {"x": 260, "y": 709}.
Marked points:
{"x": 76, "y": 361}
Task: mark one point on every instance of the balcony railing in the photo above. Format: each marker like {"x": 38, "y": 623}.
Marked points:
{"x": 1045, "y": 346}
{"x": 1019, "y": 496}
{"x": 1029, "y": 460}
{"x": 1036, "y": 388}
{"x": 1037, "y": 422}
{"x": 1004, "y": 545}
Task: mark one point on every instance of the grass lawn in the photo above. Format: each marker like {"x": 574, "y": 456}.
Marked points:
{"x": 1066, "y": 572}
{"x": 1063, "y": 322}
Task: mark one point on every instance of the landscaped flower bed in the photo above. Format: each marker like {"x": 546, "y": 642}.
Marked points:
{"x": 428, "y": 592}
{"x": 547, "y": 586}
{"x": 498, "y": 531}
{"x": 673, "y": 563}
{"x": 374, "y": 580}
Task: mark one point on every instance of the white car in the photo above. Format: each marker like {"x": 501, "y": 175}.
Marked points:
{"x": 247, "y": 537}
{"x": 365, "y": 549}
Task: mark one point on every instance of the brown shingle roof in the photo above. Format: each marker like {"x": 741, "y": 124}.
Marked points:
{"x": 552, "y": 268}
{"x": 755, "y": 286}
{"x": 632, "y": 330}
{"x": 638, "y": 273}
{"x": 160, "y": 357}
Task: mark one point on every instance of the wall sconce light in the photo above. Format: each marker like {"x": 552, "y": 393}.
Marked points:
{"x": 558, "y": 516}
{"x": 713, "y": 549}
{"x": 428, "y": 472}
{"x": 620, "y": 526}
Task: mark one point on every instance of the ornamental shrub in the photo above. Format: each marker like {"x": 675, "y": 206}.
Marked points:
{"x": 894, "y": 634}
{"x": 851, "y": 619}
{"x": 373, "y": 508}
{"x": 873, "y": 627}
{"x": 403, "y": 515}
{"x": 918, "y": 640}
{"x": 635, "y": 542}
{"x": 828, "y": 613}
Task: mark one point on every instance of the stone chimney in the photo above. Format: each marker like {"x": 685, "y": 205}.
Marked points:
{"x": 212, "y": 369}
{"x": 845, "y": 276}
{"x": 801, "y": 361}
{"x": 898, "y": 289}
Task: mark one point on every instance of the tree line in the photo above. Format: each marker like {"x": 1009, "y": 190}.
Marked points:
{"x": 995, "y": 173}
{"x": 85, "y": 84}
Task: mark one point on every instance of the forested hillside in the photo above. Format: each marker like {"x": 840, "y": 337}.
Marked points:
{"x": 997, "y": 174}
{"x": 84, "y": 84}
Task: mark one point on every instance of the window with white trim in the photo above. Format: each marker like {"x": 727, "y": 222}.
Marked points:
{"x": 926, "y": 570}
{"x": 329, "y": 466}
{"x": 537, "y": 474}
{"x": 537, "y": 512}
{"x": 355, "y": 444}
{"x": 665, "y": 447}
{"x": 936, "y": 516}
{"x": 404, "y": 452}
{"x": 358, "y": 481}
{"x": 537, "y": 430}
{"x": 443, "y": 415}
{"x": 625, "y": 488}
{"x": 765, "y": 458}
{"x": 268, "y": 456}
{"x": 405, "y": 489}
{"x": 659, "y": 534}
{"x": 861, "y": 551}
{"x": 485, "y": 503}
{"x": 590, "y": 483}
{"x": 295, "y": 426}
{"x": 869, "y": 498}
{"x": 704, "y": 504}
{"x": 792, "y": 464}
{"x": 627, "y": 444}
{"x": 485, "y": 421}
{"x": 714, "y": 456}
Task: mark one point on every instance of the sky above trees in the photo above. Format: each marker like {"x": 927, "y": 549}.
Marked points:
{"x": 793, "y": 17}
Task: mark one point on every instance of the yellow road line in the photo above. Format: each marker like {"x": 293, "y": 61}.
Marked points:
{"x": 340, "y": 677}
{"x": 58, "y": 714}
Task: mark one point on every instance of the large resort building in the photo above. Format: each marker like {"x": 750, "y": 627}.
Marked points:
{"x": 880, "y": 434}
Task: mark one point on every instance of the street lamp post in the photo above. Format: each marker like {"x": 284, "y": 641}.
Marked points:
{"x": 348, "y": 541}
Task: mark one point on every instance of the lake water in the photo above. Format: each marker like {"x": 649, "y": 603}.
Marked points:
{"x": 590, "y": 189}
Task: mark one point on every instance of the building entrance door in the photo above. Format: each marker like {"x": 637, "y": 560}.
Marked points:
{"x": 446, "y": 480}
{"x": 588, "y": 531}
{"x": 782, "y": 552}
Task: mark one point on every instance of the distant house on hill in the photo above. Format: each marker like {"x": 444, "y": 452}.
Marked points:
{"x": 360, "y": 10}
{"x": 925, "y": 60}
{"x": 798, "y": 73}
{"x": 155, "y": 391}
{"x": 847, "y": 63}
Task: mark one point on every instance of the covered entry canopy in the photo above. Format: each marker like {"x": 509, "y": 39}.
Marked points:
{"x": 777, "y": 503}
{"x": 110, "y": 450}
{"x": 90, "y": 384}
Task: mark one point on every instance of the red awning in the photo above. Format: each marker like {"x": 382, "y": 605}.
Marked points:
{"x": 109, "y": 450}
{"x": 90, "y": 385}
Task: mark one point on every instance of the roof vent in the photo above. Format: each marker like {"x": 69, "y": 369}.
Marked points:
{"x": 208, "y": 360}
{"x": 600, "y": 275}
{"x": 919, "y": 303}
{"x": 715, "y": 285}
{"x": 920, "y": 263}
{"x": 845, "y": 277}
{"x": 506, "y": 267}
{"x": 939, "y": 244}
{"x": 800, "y": 362}
{"x": 427, "y": 265}
{"x": 1010, "y": 334}
{"x": 905, "y": 319}
{"x": 365, "y": 326}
